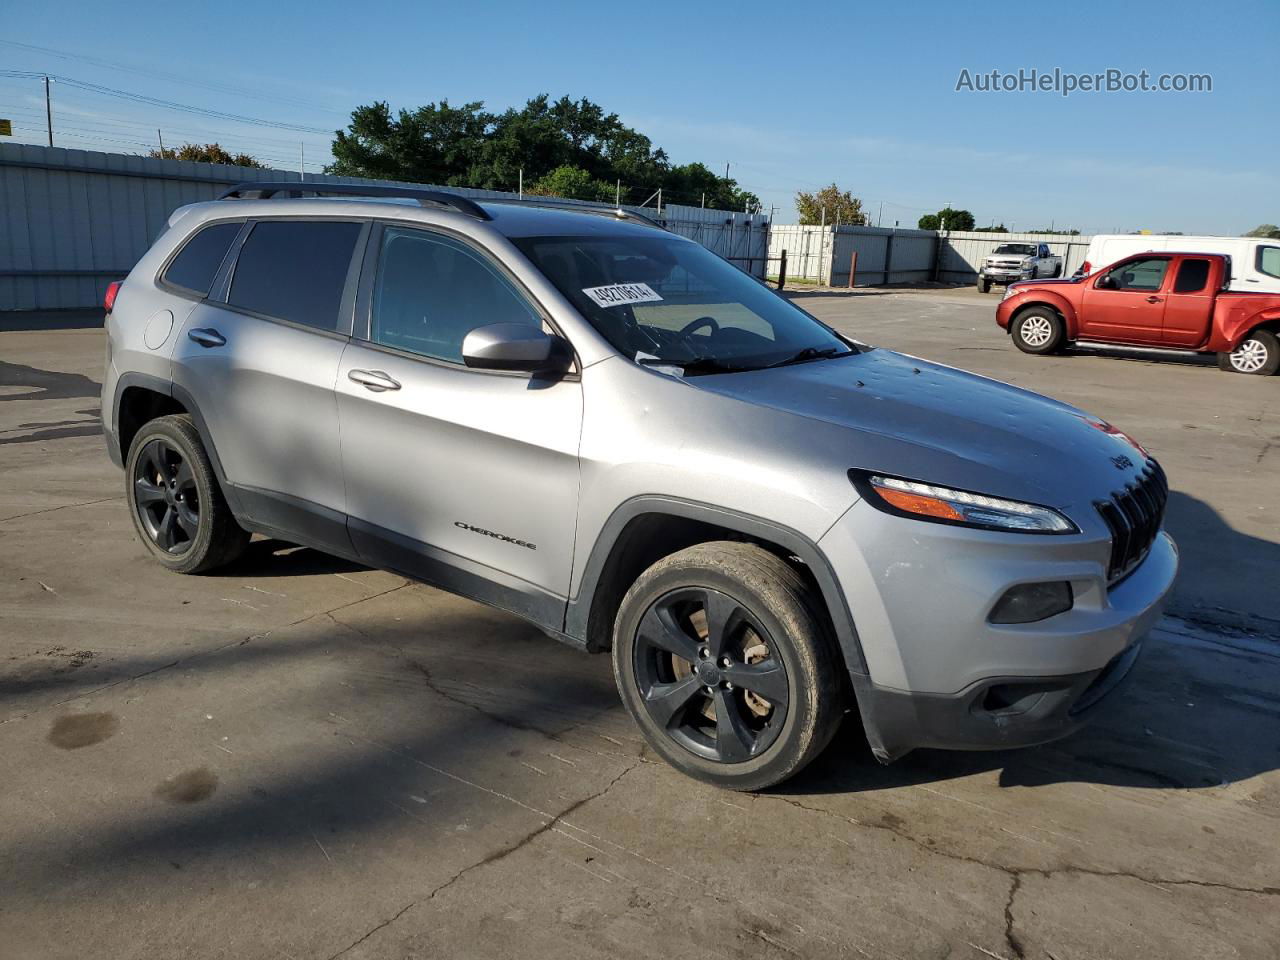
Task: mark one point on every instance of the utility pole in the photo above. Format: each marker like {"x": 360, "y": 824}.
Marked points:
{"x": 704, "y": 201}
{"x": 302, "y": 161}
{"x": 521, "y": 193}
{"x": 726, "y": 171}
{"x": 880, "y": 214}
{"x": 160, "y": 137}
{"x": 617, "y": 194}
{"x": 48, "y": 110}
{"x": 659, "y": 201}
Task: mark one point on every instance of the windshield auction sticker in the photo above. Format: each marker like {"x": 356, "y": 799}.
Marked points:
{"x": 619, "y": 294}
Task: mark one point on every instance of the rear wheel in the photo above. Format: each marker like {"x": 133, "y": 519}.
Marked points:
{"x": 1258, "y": 355}
{"x": 984, "y": 285}
{"x": 722, "y": 660}
{"x": 174, "y": 499}
{"x": 1057, "y": 271}
{"x": 1039, "y": 330}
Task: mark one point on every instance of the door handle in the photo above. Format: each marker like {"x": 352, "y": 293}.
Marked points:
{"x": 1153, "y": 299}
{"x": 207, "y": 337}
{"x": 374, "y": 380}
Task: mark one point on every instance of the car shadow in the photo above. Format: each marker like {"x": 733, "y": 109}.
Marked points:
{"x": 268, "y": 557}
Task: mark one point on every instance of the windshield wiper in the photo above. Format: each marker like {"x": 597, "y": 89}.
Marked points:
{"x": 696, "y": 365}
{"x": 811, "y": 353}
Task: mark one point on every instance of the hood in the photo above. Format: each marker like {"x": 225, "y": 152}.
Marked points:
{"x": 929, "y": 422}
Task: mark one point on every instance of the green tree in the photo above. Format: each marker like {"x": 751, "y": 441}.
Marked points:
{"x": 839, "y": 205}
{"x": 947, "y": 218}
{"x": 206, "y": 153}
{"x": 572, "y": 182}
{"x": 994, "y": 228}
{"x": 470, "y": 146}
{"x": 1267, "y": 230}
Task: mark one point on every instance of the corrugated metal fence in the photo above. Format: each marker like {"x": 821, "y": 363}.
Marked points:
{"x": 71, "y": 221}
{"x": 888, "y": 255}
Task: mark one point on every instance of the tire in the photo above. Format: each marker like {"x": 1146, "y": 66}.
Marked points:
{"x": 182, "y": 538}
{"x": 1039, "y": 330}
{"x": 1258, "y": 355}
{"x": 772, "y": 639}
{"x": 984, "y": 285}
{"x": 1057, "y": 271}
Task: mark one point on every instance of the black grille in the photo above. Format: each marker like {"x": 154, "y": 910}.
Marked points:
{"x": 1134, "y": 516}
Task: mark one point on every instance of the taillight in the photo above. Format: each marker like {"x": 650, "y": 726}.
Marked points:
{"x": 1086, "y": 268}
{"x": 109, "y": 299}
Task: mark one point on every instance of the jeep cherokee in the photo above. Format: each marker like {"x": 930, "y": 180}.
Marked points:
{"x": 606, "y": 429}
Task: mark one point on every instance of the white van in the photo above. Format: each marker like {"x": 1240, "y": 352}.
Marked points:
{"x": 1255, "y": 261}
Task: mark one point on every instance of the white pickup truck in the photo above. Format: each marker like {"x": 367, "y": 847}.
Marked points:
{"x": 1010, "y": 262}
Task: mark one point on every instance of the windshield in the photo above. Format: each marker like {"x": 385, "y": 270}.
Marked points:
{"x": 663, "y": 300}
{"x": 1019, "y": 248}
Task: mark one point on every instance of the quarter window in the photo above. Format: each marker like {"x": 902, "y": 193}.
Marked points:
{"x": 430, "y": 291}
{"x": 1268, "y": 261}
{"x": 197, "y": 264}
{"x": 295, "y": 270}
{"x": 1192, "y": 276}
{"x": 1140, "y": 275}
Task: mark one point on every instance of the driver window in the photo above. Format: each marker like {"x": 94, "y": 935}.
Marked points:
{"x": 1140, "y": 275}
{"x": 430, "y": 291}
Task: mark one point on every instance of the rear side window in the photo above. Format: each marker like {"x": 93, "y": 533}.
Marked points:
{"x": 1269, "y": 261}
{"x": 295, "y": 270}
{"x": 197, "y": 264}
{"x": 1192, "y": 276}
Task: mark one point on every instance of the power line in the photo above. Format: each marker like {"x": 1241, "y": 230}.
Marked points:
{"x": 160, "y": 74}
{"x": 166, "y": 104}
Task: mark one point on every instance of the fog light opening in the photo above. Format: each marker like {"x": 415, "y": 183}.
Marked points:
{"x": 1032, "y": 602}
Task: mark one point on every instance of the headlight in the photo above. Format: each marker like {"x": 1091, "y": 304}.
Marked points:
{"x": 1009, "y": 291}
{"x": 924, "y": 501}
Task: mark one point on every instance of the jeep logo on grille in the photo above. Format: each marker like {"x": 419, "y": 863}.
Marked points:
{"x": 1122, "y": 462}
{"x": 497, "y": 536}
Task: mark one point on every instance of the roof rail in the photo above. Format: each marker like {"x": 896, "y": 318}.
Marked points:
{"x": 266, "y": 189}
{"x": 555, "y": 204}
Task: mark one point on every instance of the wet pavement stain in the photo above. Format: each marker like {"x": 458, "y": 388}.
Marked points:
{"x": 83, "y": 730}
{"x": 189, "y": 787}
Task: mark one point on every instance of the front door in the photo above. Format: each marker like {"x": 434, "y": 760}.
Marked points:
{"x": 464, "y": 478}
{"x": 259, "y": 363}
{"x": 1126, "y": 303}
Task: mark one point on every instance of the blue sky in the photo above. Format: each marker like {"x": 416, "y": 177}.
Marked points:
{"x": 791, "y": 97}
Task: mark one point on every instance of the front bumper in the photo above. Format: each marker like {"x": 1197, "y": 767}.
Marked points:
{"x": 998, "y": 275}
{"x": 940, "y": 675}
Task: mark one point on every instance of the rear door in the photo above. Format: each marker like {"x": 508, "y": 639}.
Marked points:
{"x": 258, "y": 359}
{"x": 1132, "y": 311}
{"x": 464, "y": 478}
{"x": 1188, "y": 309}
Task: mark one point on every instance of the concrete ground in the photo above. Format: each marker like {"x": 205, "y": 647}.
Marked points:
{"x": 303, "y": 758}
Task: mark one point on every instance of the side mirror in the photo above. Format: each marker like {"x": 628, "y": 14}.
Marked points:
{"x": 1106, "y": 282}
{"x": 515, "y": 346}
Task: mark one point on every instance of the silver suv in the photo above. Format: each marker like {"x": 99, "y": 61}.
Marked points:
{"x": 606, "y": 429}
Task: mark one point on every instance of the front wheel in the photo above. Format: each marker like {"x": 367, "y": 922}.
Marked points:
{"x": 984, "y": 285}
{"x": 1039, "y": 330}
{"x": 1258, "y": 354}
{"x": 722, "y": 660}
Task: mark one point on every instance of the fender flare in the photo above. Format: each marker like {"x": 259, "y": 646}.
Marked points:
{"x": 168, "y": 389}
{"x": 1054, "y": 302}
{"x": 578, "y": 610}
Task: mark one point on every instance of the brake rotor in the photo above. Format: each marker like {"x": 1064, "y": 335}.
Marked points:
{"x": 752, "y": 650}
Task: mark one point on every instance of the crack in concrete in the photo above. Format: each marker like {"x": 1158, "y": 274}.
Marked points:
{"x": 500, "y": 854}
{"x": 1015, "y": 873}
{"x": 65, "y": 506}
{"x": 1014, "y": 943}
{"x": 239, "y": 641}
{"x": 434, "y": 686}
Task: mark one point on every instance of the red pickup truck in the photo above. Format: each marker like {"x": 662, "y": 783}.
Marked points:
{"x": 1172, "y": 300}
